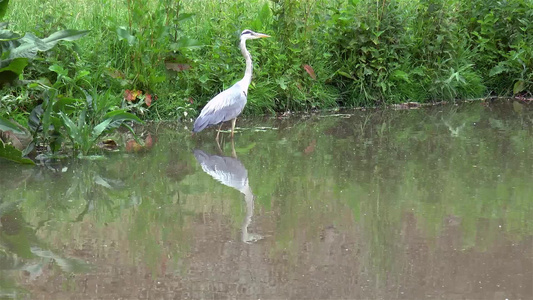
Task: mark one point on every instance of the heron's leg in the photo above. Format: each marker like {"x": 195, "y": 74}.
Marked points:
{"x": 218, "y": 131}
{"x": 233, "y": 126}
{"x": 233, "y": 153}
{"x": 219, "y": 148}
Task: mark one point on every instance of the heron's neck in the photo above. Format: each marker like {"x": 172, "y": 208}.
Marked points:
{"x": 249, "y": 199}
{"x": 247, "y": 79}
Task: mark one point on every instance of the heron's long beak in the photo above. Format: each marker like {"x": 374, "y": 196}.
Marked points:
{"x": 262, "y": 35}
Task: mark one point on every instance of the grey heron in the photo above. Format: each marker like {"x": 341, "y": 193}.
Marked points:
{"x": 229, "y": 104}
{"x": 231, "y": 172}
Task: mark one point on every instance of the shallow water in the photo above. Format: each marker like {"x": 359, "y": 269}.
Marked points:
{"x": 379, "y": 204}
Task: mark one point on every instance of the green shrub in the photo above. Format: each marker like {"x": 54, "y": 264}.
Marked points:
{"x": 324, "y": 53}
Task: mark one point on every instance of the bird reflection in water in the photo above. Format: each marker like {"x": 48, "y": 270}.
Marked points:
{"x": 231, "y": 172}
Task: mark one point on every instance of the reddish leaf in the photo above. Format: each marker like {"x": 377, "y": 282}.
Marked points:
{"x": 148, "y": 100}
{"x": 148, "y": 141}
{"x": 310, "y": 71}
{"x": 133, "y": 146}
{"x": 311, "y": 148}
{"x": 128, "y": 95}
{"x": 132, "y": 95}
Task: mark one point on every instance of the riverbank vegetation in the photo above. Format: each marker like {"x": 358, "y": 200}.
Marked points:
{"x": 164, "y": 59}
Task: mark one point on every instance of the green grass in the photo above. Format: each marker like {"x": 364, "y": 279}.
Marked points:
{"x": 364, "y": 53}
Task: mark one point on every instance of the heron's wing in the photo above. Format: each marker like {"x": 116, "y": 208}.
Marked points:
{"x": 224, "y": 107}
{"x": 229, "y": 102}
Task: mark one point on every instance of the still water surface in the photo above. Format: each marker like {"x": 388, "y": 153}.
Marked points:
{"x": 380, "y": 204}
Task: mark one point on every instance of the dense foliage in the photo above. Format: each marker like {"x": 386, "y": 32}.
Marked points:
{"x": 361, "y": 52}
{"x": 164, "y": 59}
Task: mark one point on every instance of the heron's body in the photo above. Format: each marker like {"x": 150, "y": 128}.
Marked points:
{"x": 229, "y": 104}
{"x": 226, "y": 106}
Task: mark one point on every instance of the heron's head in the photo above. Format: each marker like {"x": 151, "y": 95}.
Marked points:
{"x": 247, "y": 34}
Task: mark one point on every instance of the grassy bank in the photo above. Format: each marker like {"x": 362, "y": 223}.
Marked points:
{"x": 358, "y": 52}
{"x": 164, "y": 59}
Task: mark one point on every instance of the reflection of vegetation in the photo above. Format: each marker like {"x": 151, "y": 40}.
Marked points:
{"x": 386, "y": 163}
{"x": 21, "y": 249}
{"x": 361, "y": 175}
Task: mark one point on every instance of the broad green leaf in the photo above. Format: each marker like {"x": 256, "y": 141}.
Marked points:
{"x": 72, "y": 130}
{"x": 8, "y": 35}
{"x": 30, "y": 43}
{"x": 82, "y": 74}
{"x": 29, "y": 148}
{"x": 45, "y": 119}
{"x": 81, "y": 119}
{"x": 65, "y": 35}
{"x": 65, "y": 104}
{"x": 282, "y": 83}
{"x": 34, "y": 121}
{"x": 497, "y": 70}
{"x": 100, "y": 128}
{"x": 378, "y": 33}
{"x": 345, "y": 75}
{"x": 185, "y": 16}
{"x": 11, "y": 153}
{"x": 13, "y": 70}
{"x": 118, "y": 117}
{"x": 257, "y": 23}
{"x": 56, "y": 122}
{"x": 519, "y": 86}
{"x": 6, "y": 125}
{"x": 56, "y": 142}
{"x": 3, "y": 8}
{"x": 124, "y": 34}
{"x": 58, "y": 69}
{"x": 185, "y": 42}
{"x": 264, "y": 13}
{"x": 399, "y": 74}
{"x": 121, "y": 115}
{"x": 157, "y": 79}
{"x": 204, "y": 78}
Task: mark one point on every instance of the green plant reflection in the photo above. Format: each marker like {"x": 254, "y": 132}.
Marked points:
{"x": 369, "y": 204}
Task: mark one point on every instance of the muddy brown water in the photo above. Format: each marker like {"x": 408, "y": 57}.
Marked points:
{"x": 377, "y": 204}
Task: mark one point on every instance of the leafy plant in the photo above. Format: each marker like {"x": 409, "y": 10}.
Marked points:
{"x": 16, "y": 50}
{"x": 84, "y": 137}
{"x": 152, "y": 36}
{"x": 52, "y": 121}
{"x": 324, "y": 53}
{"x": 7, "y": 139}
{"x": 9, "y": 152}
{"x": 501, "y": 38}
